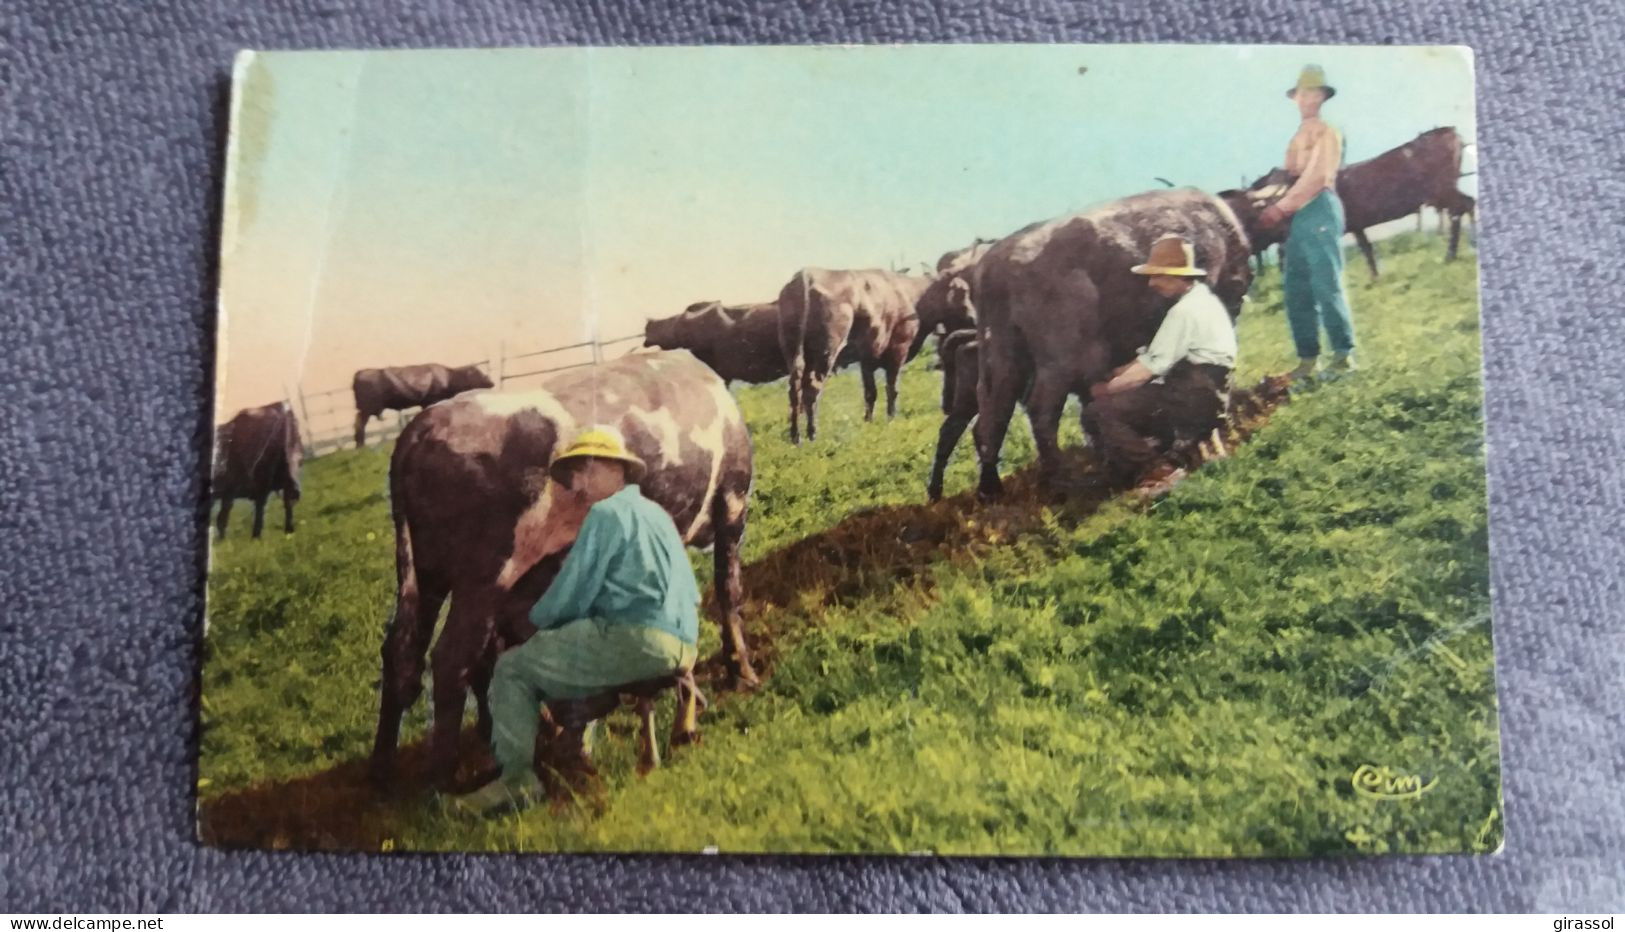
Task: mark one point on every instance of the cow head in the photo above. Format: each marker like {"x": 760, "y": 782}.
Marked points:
{"x": 694, "y": 329}
{"x": 946, "y": 305}
{"x": 1249, "y": 202}
{"x": 961, "y": 260}
{"x": 468, "y": 378}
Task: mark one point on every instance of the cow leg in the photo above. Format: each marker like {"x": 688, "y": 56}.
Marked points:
{"x": 953, "y": 427}
{"x": 892, "y": 365}
{"x": 455, "y": 662}
{"x": 479, "y": 681}
{"x": 1365, "y": 248}
{"x": 361, "y": 429}
{"x": 797, "y": 373}
{"x": 222, "y": 518}
{"x": 259, "y": 514}
{"x": 1455, "y": 236}
{"x": 812, "y": 388}
{"x": 1044, "y": 405}
{"x": 728, "y": 517}
{"x": 288, "y": 500}
{"x": 405, "y": 644}
{"x": 869, "y": 390}
{"x": 998, "y": 387}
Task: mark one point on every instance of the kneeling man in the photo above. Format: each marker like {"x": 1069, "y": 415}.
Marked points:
{"x": 1180, "y": 383}
{"x": 624, "y": 608}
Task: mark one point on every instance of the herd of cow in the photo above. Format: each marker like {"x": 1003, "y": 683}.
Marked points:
{"x": 1035, "y": 317}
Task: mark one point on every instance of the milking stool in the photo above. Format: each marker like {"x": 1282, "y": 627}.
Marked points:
{"x": 565, "y": 758}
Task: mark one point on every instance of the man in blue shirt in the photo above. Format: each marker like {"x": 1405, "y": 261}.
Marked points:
{"x": 1180, "y": 383}
{"x": 623, "y": 608}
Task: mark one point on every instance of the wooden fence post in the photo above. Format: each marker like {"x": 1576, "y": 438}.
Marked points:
{"x": 306, "y": 428}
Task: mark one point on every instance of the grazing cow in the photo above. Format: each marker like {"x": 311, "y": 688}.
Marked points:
{"x": 256, "y": 453}
{"x": 476, "y": 519}
{"x": 1400, "y": 182}
{"x": 883, "y": 316}
{"x": 1057, "y": 307}
{"x": 400, "y": 387}
{"x": 737, "y": 342}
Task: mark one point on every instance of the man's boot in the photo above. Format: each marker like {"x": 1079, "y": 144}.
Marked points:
{"x": 1342, "y": 364}
{"x": 501, "y": 796}
{"x": 1304, "y": 373}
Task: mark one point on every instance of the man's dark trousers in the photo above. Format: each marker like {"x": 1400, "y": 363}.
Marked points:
{"x": 1191, "y": 400}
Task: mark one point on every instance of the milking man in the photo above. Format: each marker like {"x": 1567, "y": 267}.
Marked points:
{"x": 623, "y": 608}
{"x": 1178, "y": 383}
{"x": 1312, "y": 257}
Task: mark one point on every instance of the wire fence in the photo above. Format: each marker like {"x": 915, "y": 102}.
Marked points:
{"x": 327, "y": 417}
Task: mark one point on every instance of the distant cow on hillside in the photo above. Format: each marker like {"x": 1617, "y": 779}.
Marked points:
{"x": 256, "y": 453}
{"x": 400, "y": 387}
{"x": 883, "y": 317}
{"x": 1400, "y": 182}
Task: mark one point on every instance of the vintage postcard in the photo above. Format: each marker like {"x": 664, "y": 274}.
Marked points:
{"x": 985, "y": 450}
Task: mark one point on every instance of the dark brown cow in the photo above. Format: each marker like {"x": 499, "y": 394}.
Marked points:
{"x": 737, "y": 342}
{"x": 885, "y": 316}
{"x": 400, "y": 387}
{"x": 1400, "y": 182}
{"x": 1057, "y": 307}
{"x": 476, "y": 520}
{"x": 256, "y": 453}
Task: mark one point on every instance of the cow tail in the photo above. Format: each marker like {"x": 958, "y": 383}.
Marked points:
{"x": 805, "y": 306}
{"x": 792, "y": 337}
{"x": 948, "y": 350}
{"x": 815, "y": 331}
{"x": 406, "y": 577}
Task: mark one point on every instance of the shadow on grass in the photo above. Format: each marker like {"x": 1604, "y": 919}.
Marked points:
{"x": 869, "y": 553}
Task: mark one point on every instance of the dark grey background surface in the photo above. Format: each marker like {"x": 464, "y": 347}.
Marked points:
{"x": 111, "y": 125}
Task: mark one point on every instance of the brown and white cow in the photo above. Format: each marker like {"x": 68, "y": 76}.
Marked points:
{"x": 1057, "y": 307}
{"x": 400, "y": 387}
{"x": 477, "y": 520}
{"x": 256, "y": 453}
{"x": 884, "y": 316}
{"x": 738, "y": 342}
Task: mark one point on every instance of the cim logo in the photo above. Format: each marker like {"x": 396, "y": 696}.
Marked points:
{"x": 1375, "y": 782}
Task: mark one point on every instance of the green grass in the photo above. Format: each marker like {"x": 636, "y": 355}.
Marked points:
{"x": 1202, "y": 677}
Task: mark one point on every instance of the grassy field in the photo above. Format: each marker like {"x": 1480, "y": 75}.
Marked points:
{"x": 1204, "y": 676}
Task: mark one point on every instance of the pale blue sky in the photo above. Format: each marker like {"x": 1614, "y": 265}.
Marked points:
{"x": 398, "y": 207}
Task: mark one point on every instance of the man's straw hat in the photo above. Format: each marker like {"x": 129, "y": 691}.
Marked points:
{"x": 1312, "y": 76}
{"x": 601, "y": 443}
{"x": 1171, "y": 255}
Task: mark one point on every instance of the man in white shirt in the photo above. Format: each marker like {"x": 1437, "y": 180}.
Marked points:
{"x": 1178, "y": 384}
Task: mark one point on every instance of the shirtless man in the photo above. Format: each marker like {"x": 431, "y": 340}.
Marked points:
{"x": 1312, "y": 257}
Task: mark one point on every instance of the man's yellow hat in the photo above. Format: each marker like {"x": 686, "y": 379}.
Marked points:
{"x": 1171, "y": 255}
{"x": 603, "y": 443}
{"x": 1312, "y": 76}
